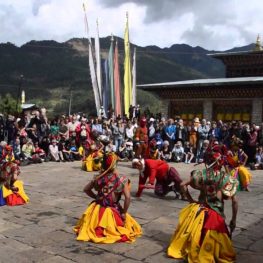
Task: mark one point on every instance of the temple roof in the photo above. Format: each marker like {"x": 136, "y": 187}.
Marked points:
{"x": 204, "y": 82}
{"x": 236, "y": 53}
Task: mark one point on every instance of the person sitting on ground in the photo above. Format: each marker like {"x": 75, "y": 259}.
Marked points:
{"x": 105, "y": 220}
{"x": 28, "y": 150}
{"x": 165, "y": 153}
{"x": 123, "y": 152}
{"x": 259, "y": 160}
{"x": 65, "y": 154}
{"x": 74, "y": 150}
{"x": 53, "y": 151}
{"x": 188, "y": 152}
{"x": 153, "y": 150}
{"x": 178, "y": 152}
{"x": 167, "y": 178}
{"x": 159, "y": 141}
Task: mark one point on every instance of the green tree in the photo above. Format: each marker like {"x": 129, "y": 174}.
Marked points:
{"x": 9, "y": 105}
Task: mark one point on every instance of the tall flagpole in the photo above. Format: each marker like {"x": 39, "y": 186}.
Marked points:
{"x": 127, "y": 70}
{"x": 111, "y": 73}
{"x": 98, "y": 62}
{"x": 92, "y": 66}
{"x": 134, "y": 92}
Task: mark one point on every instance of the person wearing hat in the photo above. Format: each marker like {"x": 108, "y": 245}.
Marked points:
{"x": 202, "y": 234}
{"x": 105, "y": 220}
{"x": 160, "y": 176}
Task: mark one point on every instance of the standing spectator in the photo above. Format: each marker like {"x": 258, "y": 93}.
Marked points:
{"x": 118, "y": 133}
{"x": 151, "y": 129}
{"x": 202, "y": 131}
{"x": 96, "y": 126}
{"x": 72, "y": 126}
{"x": 170, "y": 132}
{"x": 54, "y": 129}
{"x": 63, "y": 129}
{"x": 225, "y": 137}
{"x": 83, "y": 131}
{"x": 181, "y": 132}
{"x": 137, "y": 112}
{"x": 129, "y": 131}
{"x": 2, "y": 128}
{"x": 11, "y": 129}
{"x": 193, "y": 133}
{"x": 252, "y": 143}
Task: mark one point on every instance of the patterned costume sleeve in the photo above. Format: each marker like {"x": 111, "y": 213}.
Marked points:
{"x": 123, "y": 180}
{"x": 228, "y": 185}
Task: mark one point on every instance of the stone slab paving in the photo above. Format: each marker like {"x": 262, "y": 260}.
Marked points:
{"x": 41, "y": 231}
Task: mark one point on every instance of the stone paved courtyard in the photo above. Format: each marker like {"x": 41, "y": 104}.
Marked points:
{"x": 41, "y": 231}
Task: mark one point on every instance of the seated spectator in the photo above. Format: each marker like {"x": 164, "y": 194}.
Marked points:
{"x": 53, "y": 151}
{"x": 28, "y": 149}
{"x": 17, "y": 150}
{"x": 178, "y": 152}
{"x": 188, "y": 152}
{"x": 154, "y": 153}
{"x": 65, "y": 154}
{"x": 39, "y": 154}
{"x": 74, "y": 150}
{"x": 159, "y": 141}
{"x": 111, "y": 147}
{"x": 165, "y": 153}
{"x": 259, "y": 160}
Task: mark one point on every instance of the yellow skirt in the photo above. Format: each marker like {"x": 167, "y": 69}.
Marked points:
{"x": 189, "y": 242}
{"x": 21, "y": 193}
{"x": 104, "y": 225}
{"x": 244, "y": 176}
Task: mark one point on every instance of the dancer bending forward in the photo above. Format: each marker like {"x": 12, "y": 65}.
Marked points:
{"x": 105, "y": 220}
{"x": 202, "y": 234}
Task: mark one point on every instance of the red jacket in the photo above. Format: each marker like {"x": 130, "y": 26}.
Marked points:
{"x": 153, "y": 169}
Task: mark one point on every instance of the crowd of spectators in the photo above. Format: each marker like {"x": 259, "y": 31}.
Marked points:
{"x": 35, "y": 138}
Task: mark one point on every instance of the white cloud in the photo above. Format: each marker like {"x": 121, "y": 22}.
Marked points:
{"x": 212, "y": 24}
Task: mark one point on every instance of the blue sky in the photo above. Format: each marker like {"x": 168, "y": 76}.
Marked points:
{"x": 212, "y": 24}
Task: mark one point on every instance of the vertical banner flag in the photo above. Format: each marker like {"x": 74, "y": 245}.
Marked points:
{"x": 106, "y": 87}
{"x": 117, "y": 81}
{"x": 92, "y": 66}
{"x": 134, "y": 95}
{"x": 98, "y": 62}
{"x": 127, "y": 70}
{"x": 111, "y": 75}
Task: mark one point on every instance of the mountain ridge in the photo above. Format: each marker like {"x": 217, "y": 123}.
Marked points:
{"x": 52, "y": 69}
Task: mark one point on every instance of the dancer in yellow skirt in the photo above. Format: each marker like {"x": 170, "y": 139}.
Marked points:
{"x": 237, "y": 160}
{"x": 202, "y": 235}
{"x": 11, "y": 189}
{"x": 105, "y": 220}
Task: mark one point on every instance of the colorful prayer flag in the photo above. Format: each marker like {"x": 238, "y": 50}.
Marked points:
{"x": 117, "y": 81}
{"x": 127, "y": 71}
